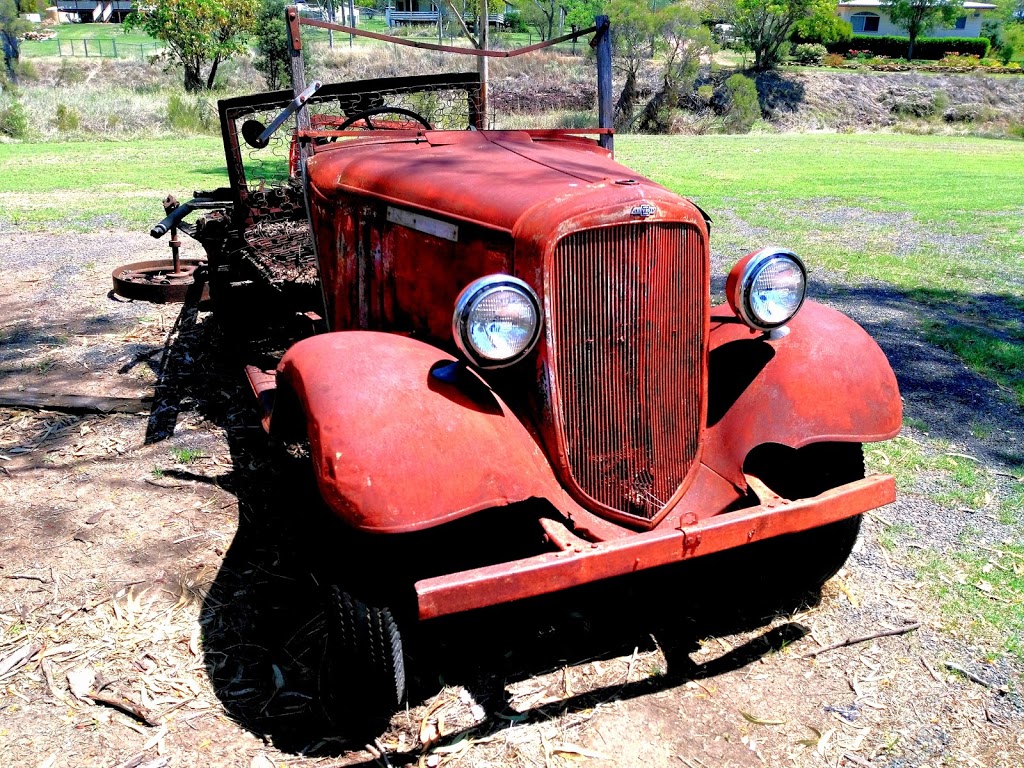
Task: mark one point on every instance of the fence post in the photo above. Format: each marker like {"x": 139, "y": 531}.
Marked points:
{"x": 605, "y": 111}
{"x": 85, "y": 42}
{"x": 114, "y": 43}
{"x": 59, "y": 51}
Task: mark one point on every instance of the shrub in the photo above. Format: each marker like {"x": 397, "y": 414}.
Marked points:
{"x": 940, "y": 100}
{"x": 514, "y": 22}
{"x": 959, "y": 60}
{"x": 743, "y": 105}
{"x": 26, "y": 70}
{"x": 809, "y": 53}
{"x": 69, "y": 73}
{"x": 895, "y": 46}
{"x": 832, "y": 60}
{"x": 189, "y": 115}
{"x": 14, "y": 121}
{"x": 67, "y": 119}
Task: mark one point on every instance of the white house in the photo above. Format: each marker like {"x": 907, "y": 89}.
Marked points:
{"x": 868, "y": 17}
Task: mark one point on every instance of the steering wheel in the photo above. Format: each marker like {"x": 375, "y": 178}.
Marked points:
{"x": 366, "y": 114}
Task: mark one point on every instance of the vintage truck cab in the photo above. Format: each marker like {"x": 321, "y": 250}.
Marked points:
{"x": 498, "y": 351}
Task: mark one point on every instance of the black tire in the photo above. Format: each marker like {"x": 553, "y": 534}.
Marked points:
{"x": 366, "y": 663}
{"x": 800, "y": 563}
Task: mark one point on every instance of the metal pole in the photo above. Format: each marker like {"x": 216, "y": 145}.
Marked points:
{"x": 605, "y": 109}
{"x": 298, "y": 72}
{"x": 482, "y": 37}
{"x": 351, "y": 22}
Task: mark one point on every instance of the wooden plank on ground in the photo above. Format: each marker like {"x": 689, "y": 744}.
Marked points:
{"x": 52, "y": 401}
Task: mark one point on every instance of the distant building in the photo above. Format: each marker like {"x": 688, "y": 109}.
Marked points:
{"x": 868, "y": 17}
{"x": 113, "y": 11}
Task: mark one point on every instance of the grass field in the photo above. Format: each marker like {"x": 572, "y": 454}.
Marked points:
{"x": 101, "y": 40}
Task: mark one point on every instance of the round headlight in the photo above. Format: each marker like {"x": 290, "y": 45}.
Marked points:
{"x": 497, "y": 321}
{"x": 767, "y": 287}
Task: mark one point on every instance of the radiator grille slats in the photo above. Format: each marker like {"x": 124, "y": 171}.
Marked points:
{"x": 627, "y": 321}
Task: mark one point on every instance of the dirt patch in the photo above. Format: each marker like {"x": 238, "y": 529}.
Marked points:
{"x": 179, "y": 580}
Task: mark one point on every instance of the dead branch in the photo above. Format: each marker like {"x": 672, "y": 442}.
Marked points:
{"x": 858, "y": 760}
{"x": 863, "y": 639}
{"x": 123, "y": 705}
{"x": 40, "y": 579}
{"x": 973, "y": 677}
{"x": 19, "y": 658}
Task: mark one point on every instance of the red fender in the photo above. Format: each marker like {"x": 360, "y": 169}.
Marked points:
{"x": 395, "y": 447}
{"x": 827, "y": 380}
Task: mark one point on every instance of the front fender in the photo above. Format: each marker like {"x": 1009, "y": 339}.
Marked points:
{"x": 397, "y": 448}
{"x": 827, "y": 380}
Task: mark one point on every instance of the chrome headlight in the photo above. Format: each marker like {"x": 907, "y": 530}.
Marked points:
{"x": 497, "y": 321}
{"x": 767, "y": 287}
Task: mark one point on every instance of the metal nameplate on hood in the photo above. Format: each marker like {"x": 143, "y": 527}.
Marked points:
{"x": 425, "y": 224}
{"x": 643, "y": 210}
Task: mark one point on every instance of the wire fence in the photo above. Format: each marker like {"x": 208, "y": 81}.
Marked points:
{"x": 96, "y": 47}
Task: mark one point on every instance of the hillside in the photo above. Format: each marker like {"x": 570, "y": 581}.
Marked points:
{"x": 872, "y": 100}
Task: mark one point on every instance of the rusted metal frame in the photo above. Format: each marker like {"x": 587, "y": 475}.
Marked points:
{"x": 298, "y": 73}
{"x": 582, "y": 562}
{"x": 447, "y": 48}
{"x": 400, "y": 134}
{"x": 407, "y": 134}
{"x": 264, "y": 387}
{"x": 602, "y": 42}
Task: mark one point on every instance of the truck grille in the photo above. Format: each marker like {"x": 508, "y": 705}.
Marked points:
{"x": 627, "y": 307}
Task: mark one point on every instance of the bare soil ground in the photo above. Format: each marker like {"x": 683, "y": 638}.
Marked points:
{"x": 156, "y": 606}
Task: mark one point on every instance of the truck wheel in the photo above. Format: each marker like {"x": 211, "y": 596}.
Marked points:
{"x": 366, "y": 665}
{"x": 799, "y": 563}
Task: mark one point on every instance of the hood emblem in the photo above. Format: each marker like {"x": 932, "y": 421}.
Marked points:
{"x": 643, "y": 210}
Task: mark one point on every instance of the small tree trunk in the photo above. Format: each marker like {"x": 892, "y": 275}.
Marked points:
{"x": 627, "y": 98}
{"x": 193, "y": 79}
{"x": 213, "y": 73}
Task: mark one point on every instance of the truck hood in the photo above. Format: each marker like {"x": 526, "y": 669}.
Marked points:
{"x": 490, "y": 178}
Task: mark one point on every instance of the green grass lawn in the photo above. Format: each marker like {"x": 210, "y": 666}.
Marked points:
{"x": 84, "y": 185}
{"x": 809, "y": 191}
{"x": 102, "y": 39}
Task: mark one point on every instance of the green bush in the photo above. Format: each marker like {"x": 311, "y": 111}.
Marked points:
{"x": 14, "y": 121}
{"x": 895, "y": 46}
{"x": 69, "y": 73}
{"x": 809, "y": 53}
{"x": 26, "y": 70}
{"x": 67, "y": 119}
{"x": 744, "y": 108}
{"x": 189, "y": 115}
{"x": 514, "y": 22}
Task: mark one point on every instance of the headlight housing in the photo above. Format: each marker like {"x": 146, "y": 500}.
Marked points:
{"x": 767, "y": 288}
{"x": 497, "y": 321}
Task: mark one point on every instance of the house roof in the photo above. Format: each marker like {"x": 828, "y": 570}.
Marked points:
{"x": 968, "y": 6}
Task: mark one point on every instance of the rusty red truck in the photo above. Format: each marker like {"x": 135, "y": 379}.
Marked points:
{"x": 498, "y": 350}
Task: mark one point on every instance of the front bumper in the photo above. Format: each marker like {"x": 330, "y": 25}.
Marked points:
{"x": 579, "y": 561}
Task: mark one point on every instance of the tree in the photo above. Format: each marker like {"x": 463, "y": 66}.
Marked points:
{"x": 632, "y": 28}
{"x": 683, "y": 40}
{"x": 542, "y": 15}
{"x": 274, "y": 59}
{"x": 198, "y": 33}
{"x": 12, "y": 27}
{"x": 765, "y": 25}
{"x": 823, "y": 28}
{"x": 918, "y": 16}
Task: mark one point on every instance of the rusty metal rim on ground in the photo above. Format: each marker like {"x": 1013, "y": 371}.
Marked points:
{"x": 156, "y": 281}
